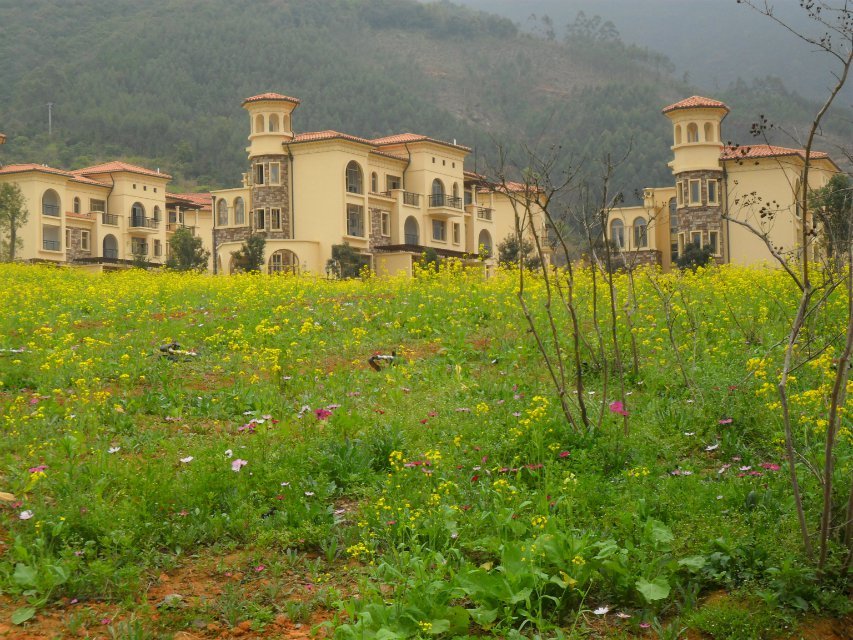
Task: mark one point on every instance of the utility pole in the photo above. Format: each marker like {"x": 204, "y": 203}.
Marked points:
{"x": 50, "y": 118}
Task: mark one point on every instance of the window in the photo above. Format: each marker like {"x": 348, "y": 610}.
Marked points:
{"x": 260, "y": 219}
{"x": 259, "y": 124}
{"x": 617, "y": 233}
{"x": 692, "y": 132}
{"x": 138, "y": 247}
{"x": 713, "y": 192}
{"x": 239, "y": 211}
{"x": 157, "y": 214}
{"x": 275, "y": 219}
{"x": 696, "y": 238}
{"x": 77, "y": 205}
{"x": 679, "y": 193}
{"x": 695, "y": 192}
{"x": 84, "y": 239}
{"x": 457, "y": 232}
{"x": 260, "y": 174}
{"x": 355, "y": 220}
{"x": 392, "y": 182}
{"x": 439, "y": 230}
{"x": 283, "y": 261}
{"x": 50, "y": 203}
{"x": 469, "y": 196}
{"x": 678, "y": 134}
{"x": 354, "y": 178}
{"x": 158, "y": 248}
{"x": 97, "y": 205}
{"x": 68, "y": 238}
{"x": 274, "y": 122}
{"x": 137, "y": 215}
{"x": 386, "y": 224}
{"x": 484, "y": 243}
{"x": 709, "y": 132}
{"x": 275, "y": 173}
{"x": 714, "y": 242}
{"x": 641, "y": 233}
{"x": 374, "y": 183}
{"x": 221, "y": 213}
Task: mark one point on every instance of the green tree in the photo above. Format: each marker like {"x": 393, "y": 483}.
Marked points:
{"x": 13, "y": 215}
{"x": 429, "y": 259}
{"x": 694, "y": 256}
{"x": 187, "y": 252}
{"x": 346, "y": 262}
{"x": 833, "y": 206}
{"x": 508, "y": 252}
{"x": 250, "y": 257}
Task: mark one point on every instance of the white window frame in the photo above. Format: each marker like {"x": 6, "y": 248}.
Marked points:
{"x": 715, "y": 244}
{"x": 260, "y": 219}
{"x": 85, "y": 240}
{"x": 457, "y": 233}
{"x": 442, "y": 226}
{"x": 355, "y": 209}
{"x": 698, "y": 184}
{"x": 274, "y": 173}
{"x": 275, "y": 219}
{"x": 260, "y": 174}
{"x": 716, "y": 184}
{"x": 385, "y": 224}
{"x": 693, "y": 236}
{"x": 158, "y": 248}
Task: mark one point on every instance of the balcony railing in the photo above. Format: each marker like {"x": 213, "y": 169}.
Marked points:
{"x": 51, "y": 245}
{"x": 412, "y": 199}
{"x": 111, "y": 253}
{"x": 139, "y": 249}
{"x": 412, "y": 238}
{"x": 484, "y": 213}
{"x": 50, "y": 209}
{"x": 147, "y": 223}
{"x": 174, "y": 226}
{"x": 444, "y": 200}
{"x": 383, "y": 194}
{"x": 108, "y": 218}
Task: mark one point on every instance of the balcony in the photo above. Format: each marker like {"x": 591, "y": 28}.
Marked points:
{"x": 138, "y": 222}
{"x": 484, "y": 213}
{"x": 381, "y": 194}
{"x": 174, "y": 226}
{"x": 107, "y": 218}
{"x": 50, "y": 209}
{"x": 412, "y": 199}
{"x": 51, "y": 245}
{"x": 443, "y": 200}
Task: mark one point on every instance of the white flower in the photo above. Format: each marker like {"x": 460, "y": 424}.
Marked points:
{"x": 309, "y": 493}
{"x": 623, "y": 615}
{"x": 690, "y": 433}
{"x": 113, "y": 449}
{"x": 712, "y": 447}
{"x": 26, "y": 515}
{"x": 285, "y": 484}
{"x": 187, "y": 459}
{"x": 228, "y": 453}
{"x": 601, "y": 611}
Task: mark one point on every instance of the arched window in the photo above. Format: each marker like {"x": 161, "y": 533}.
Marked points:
{"x": 283, "y": 261}
{"x": 137, "y": 215}
{"x": 239, "y": 211}
{"x": 259, "y": 123}
{"x": 436, "y": 198}
{"x": 354, "y": 178}
{"x": 157, "y": 214}
{"x": 617, "y": 233}
{"x": 641, "y": 233}
{"x": 678, "y": 134}
{"x": 484, "y": 244}
{"x": 692, "y": 132}
{"x": 222, "y": 213}
{"x": 274, "y": 122}
{"x": 110, "y": 246}
{"x": 709, "y": 132}
{"x": 411, "y": 232}
{"x": 374, "y": 183}
{"x": 50, "y": 203}
{"x": 456, "y": 201}
{"x": 77, "y": 205}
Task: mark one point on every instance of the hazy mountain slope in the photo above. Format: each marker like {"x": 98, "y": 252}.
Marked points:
{"x": 161, "y": 82}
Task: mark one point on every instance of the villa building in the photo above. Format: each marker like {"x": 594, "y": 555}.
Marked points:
{"x": 390, "y": 198}
{"x": 715, "y": 186}
{"x": 108, "y": 214}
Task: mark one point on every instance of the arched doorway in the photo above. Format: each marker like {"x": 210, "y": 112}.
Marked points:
{"x": 283, "y": 261}
{"x": 110, "y": 246}
{"x": 50, "y": 203}
{"x": 137, "y": 215}
{"x": 436, "y": 198}
{"x": 484, "y": 243}
{"x": 411, "y": 231}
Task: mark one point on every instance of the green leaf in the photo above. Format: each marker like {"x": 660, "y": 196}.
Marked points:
{"x": 22, "y": 615}
{"x": 660, "y": 533}
{"x": 25, "y": 575}
{"x": 694, "y": 563}
{"x": 657, "y": 589}
{"x": 521, "y": 596}
{"x": 439, "y": 626}
{"x": 484, "y": 617}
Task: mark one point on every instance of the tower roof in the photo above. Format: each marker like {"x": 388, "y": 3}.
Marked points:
{"x": 696, "y": 102}
{"x": 275, "y": 97}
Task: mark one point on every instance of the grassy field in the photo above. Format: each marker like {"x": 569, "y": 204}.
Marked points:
{"x": 267, "y": 482}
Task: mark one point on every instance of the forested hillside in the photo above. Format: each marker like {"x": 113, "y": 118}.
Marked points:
{"x": 161, "y": 82}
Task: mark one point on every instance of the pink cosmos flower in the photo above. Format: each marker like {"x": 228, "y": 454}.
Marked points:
{"x": 770, "y": 466}
{"x": 617, "y": 407}
{"x": 322, "y": 414}
{"x": 260, "y": 568}
{"x": 564, "y": 454}
{"x": 725, "y": 421}
{"x": 238, "y": 464}
{"x": 37, "y": 469}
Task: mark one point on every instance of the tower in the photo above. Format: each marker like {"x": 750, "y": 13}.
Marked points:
{"x": 271, "y": 128}
{"x": 698, "y": 172}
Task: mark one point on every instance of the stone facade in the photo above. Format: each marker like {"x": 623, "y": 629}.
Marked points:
{"x": 267, "y": 196}
{"x": 703, "y": 218}
{"x": 640, "y": 258}
{"x": 74, "y": 244}
{"x": 376, "y": 237}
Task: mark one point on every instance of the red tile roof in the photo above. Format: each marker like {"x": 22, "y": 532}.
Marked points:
{"x": 79, "y": 216}
{"x": 385, "y": 154}
{"x": 405, "y": 138}
{"x": 116, "y": 166}
{"x": 24, "y": 168}
{"x": 696, "y": 102}
{"x": 272, "y": 96}
{"x": 204, "y": 200}
{"x": 755, "y": 151}
{"x": 314, "y": 136}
